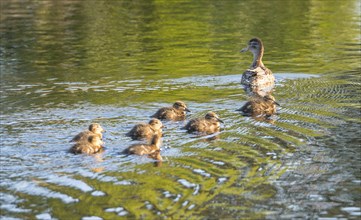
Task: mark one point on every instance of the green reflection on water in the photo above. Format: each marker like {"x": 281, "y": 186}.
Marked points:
{"x": 121, "y": 52}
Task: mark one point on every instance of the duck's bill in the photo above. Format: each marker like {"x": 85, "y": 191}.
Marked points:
{"x": 244, "y": 50}
{"x": 187, "y": 110}
{"x": 220, "y": 120}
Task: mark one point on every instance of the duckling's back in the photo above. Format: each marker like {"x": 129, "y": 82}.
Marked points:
{"x": 140, "y": 131}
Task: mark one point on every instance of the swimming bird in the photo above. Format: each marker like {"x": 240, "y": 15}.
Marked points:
{"x": 177, "y": 112}
{"x": 258, "y": 76}
{"x": 146, "y": 131}
{"x": 94, "y": 129}
{"x": 91, "y": 145}
{"x": 145, "y": 149}
{"x": 259, "y": 106}
{"x": 208, "y": 125}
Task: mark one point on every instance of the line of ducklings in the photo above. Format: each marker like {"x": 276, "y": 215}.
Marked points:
{"x": 90, "y": 141}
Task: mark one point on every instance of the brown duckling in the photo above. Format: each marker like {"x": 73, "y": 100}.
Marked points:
{"x": 209, "y": 124}
{"x": 145, "y": 149}
{"x": 146, "y": 131}
{"x": 258, "y": 75}
{"x": 175, "y": 113}
{"x": 260, "y": 106}
{"x": 91, "y": 145}
{"x": 94, "y": 129}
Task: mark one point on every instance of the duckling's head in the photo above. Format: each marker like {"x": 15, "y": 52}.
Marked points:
{"x": 255, "y": 45}
{"x": 96, "y": 128}
{"x": 181, "y": 106}
{"x": 213, "y": 117}
{"x": 95, "y": 140}
{"x": 156, "y": 124}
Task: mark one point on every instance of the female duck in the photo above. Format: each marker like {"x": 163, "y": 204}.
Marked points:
{"x": 175, "y": 113}
{"x": 146, "y": 131}
{"x": 257, "y": 76}
{"x": 259, "y": 106}
{"x": 94, "y": 129}
{"x": 208, "y": 125}
{"x": 91, "y": 145}
{"x": 146, "y": 149}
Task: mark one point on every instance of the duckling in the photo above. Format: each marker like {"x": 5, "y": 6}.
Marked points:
{"x": 146, "y": 131}
{"x": 93, "y": 144}
{"x": 260, "y": 106}
{"x": 258, "y": 75}
{"x": 209, "y": 124}
{"x": 145, "y": 149}
{"x": 94, "y": 128}
{"x": 175, "y": 113}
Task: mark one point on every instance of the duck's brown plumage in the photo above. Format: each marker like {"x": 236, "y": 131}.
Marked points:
{"x": 94, "y": 129}
{"x": 260, "y": 106}
{"x": 177, "y": 112}
{"x": 208, "y": 125}
{"x": 145, "y": 149}
{"x": 93, "y": 144}
{"x": 146, "y": 131}
{"x": 258, "y": 76}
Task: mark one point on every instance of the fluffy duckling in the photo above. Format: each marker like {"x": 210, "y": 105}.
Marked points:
{"x": 94, "y": 129}
{"x": 260, "y": 106}
{"x": 146, "y": 131}
{"x": 175, "y": 113}
{"x": 91, "y": 145}
{"x": 209, "y": 124}
{"x": 258, "y": 75}
{"x": 145, "y": 149}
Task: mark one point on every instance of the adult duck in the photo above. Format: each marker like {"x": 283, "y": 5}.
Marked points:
{"x": 258, "y": 78}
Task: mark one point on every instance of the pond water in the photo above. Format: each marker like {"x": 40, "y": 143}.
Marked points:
{"x": 65, "y": 64}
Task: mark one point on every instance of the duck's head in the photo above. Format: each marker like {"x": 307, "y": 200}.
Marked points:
{"x": 96, "y": 128}
{"x": 255, "y": 45}
{"x": 181, "y": 106}
{"x": 213, "y": 116}
{"x": 156, "y": 124}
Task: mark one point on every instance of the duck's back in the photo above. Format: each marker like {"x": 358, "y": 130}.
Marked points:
{"x": 170, "y": 113}
{"x": 81, "y": 136}
{"x": 198, "y": 125}
{"x": 85, "y": 148}
{"x": 140, "y": 149}
{"x": 258, "y": 107}
{"x": 258, "y": 77}
{"x": 164, "y": 113}
{"x": 140, "y": 131}
{"x": 265, "y": 108}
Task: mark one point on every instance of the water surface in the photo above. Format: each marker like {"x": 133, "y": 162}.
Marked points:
{"x": 65, "y": 64}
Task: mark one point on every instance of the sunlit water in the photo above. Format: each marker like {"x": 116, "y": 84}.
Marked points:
{"x": 65, "y": 64}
